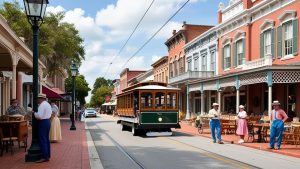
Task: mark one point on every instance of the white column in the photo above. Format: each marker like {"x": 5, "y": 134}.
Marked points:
{"x": 202, "y": 102}
{"x": 188, "y": 115}
{"x": 219, "y": 101}
{"x": 14, "y": 82}
{"x": 237, "y": 100}
{"x": 270, "y": 101}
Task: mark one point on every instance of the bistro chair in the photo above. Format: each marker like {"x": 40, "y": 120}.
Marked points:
{"x": 265, "y": 132}
{"x": 23, "y": 134}
{"x": 251, "y": 133}
{"x": 6, "y": 142}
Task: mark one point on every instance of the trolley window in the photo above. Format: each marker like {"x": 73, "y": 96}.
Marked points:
{"x": 146, "y": 100}
{"x": 172, "y": 100}
{"x": 159, "y": 100}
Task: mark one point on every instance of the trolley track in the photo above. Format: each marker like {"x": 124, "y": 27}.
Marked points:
{"x": 120, "y": 148}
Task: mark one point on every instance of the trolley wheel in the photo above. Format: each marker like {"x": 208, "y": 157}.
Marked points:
{"x": 134, "y": 131}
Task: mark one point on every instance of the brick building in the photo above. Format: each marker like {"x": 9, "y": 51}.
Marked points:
{"x": 126, "y": 75}
{"x": 161, "y": 70}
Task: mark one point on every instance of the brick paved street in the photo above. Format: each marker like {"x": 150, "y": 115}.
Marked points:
{"x": 291, "y": 150}
{"x": 71, "y": 152}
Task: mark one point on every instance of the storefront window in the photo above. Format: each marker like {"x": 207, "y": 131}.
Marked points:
{"x": 159, "y": 100}
{"x": 146, "y": 100}
{"x": 291, "y": 101}
{"x": 172, "y": 100}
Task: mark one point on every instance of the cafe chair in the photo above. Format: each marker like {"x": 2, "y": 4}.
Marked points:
{"x": 23, "y": 134}
{"x": 251, "y": 133}
{"x": 265, "y": 132}
{"x": 6, "y": 142}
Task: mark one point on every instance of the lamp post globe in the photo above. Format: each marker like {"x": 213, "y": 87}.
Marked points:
{"x": 35, "y": 11}
{"x": 74, "y": 71}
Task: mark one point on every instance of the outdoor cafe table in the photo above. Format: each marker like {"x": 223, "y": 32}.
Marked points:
{"x": 259, "y": 127}
{"x": 10, "y": 128}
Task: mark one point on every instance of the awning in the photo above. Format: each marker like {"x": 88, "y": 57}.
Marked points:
{"x": 50, "y": 93}
{"x": 112, "y": 103}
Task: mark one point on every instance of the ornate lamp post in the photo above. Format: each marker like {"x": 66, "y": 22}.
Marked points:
{"x": 35, "y": 11}
{"x": 74, "y": 70}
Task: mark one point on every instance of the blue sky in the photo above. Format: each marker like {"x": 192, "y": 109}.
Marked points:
{"x": 106, "y": 24}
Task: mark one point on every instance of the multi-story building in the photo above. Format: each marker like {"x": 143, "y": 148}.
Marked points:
{"x": 202, "y": 63}
{"x": 143, "y": 77}
{"x": 258, "y": 56}
{"x": 178, "y": 73}
{"x": 16, "y": 60}
{"x": 161, "y": 70}
{"x": 126, "y": 75}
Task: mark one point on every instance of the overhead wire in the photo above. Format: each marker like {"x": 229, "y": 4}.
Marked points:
{"x": 154, "y": 34}
{"x": 135, "y": 28}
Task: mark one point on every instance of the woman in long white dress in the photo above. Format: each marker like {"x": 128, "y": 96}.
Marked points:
{"x": 55, "y": 130}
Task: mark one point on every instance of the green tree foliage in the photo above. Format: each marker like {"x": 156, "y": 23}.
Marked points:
{"x": 81, "y": 87}
{"x": 59, "y": 42}
{"x": 100, "y": 82}
{"x": 98, "y": 97}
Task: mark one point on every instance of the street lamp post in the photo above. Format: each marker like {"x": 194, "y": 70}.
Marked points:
{"x": 35, "y": 11}
{"x": 74, "y": 73}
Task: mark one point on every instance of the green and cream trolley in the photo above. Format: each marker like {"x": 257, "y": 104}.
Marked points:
{"x": 149, "y": 108}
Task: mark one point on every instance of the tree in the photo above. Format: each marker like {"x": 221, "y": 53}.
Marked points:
{"x": 81, "y": 87}
{"x": 98, "y": 97}
{"x": 100, "y": 82}
{"x": 59, "y": 43}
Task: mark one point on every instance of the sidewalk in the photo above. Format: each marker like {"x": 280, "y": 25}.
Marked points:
{"x": 71, "y": 152}
{"x": 290, "y": 150}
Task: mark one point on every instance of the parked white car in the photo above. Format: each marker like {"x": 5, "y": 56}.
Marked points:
{"x": 90, "y": 112}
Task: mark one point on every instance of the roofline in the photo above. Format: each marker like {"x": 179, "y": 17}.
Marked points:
{"x": 159, "y": 61}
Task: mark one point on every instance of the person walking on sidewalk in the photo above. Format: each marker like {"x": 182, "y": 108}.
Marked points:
{"x": 214, "y": 123}
{"x": 43, "y": 116}
{"x": 242, "y": 126}
{"x": 278, "y": 117}
{"x": 55, "y": 130}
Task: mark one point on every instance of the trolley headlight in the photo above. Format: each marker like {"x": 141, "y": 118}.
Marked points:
{"x": 159, "y": 119}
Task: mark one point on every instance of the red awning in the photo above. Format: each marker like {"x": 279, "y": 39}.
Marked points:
{"x": 50, "y": 93}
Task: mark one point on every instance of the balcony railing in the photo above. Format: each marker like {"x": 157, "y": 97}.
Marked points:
{"x": 191, "y": 75}
{"x": 267, "y": 61}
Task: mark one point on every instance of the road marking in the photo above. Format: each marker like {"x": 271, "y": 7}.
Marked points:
{"x": 208, "y": 154}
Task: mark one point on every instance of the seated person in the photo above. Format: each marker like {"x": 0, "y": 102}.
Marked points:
{"x": 15, "y": 109}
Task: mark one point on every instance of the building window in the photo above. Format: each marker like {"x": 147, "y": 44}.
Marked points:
{"x": 189, "y": 65}
{"x": 171, "y": 70}
{"x": 175, "y": 68}
{"x": 163, "y": 77}
{"x": 226, "y": 56}
{"x": 267, "y": 43}
{"x": 213, "y": 60}
{"x": 288, "y": 38}
{"x": 204, "y": 62}
{"x": 196, "y": 61}
{"x": 240, "y": 52}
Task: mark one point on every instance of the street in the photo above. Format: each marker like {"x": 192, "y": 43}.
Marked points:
{"x": 119, "y": 149}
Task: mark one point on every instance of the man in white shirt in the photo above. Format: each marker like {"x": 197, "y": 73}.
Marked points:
{"x": 43, "y": 116}
{"x": 214, "y": 123}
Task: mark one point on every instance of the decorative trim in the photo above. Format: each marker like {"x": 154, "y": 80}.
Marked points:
{"x": 287, "y": 15}
{"x": 226, "y": 40}
{"x": 268, "y": 24}
{"x": 239, "y": 35}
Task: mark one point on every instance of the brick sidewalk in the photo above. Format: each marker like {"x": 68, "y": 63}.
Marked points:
{"x": 290, "y": 150}
{"x": 70, "y": 153}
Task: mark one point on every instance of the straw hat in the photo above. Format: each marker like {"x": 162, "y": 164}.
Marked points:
{"x": 242, "y": 107}
{"x": 41, "y": 95}
{"x": 275, "y": 103}
{"x": 215, "y": 104}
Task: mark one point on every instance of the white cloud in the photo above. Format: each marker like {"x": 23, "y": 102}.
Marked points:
{"x": 105, "y": 33}
{"x": 155, "y": 58}
{"x": 55, "y": 10}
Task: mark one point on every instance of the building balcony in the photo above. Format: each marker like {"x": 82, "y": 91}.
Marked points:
{"x": 267, "y": 61}
{"x": 191, "y": 75}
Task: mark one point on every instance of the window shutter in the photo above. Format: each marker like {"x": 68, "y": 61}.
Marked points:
{"x": 244, "y": 49}
{"x": 295, "y": 37}
{"x": 262, "y": 45}
{"x": 223, "y": 62}
{"x": 279, "y": 41}
{"x": 273, "y": 43}
{"x": 234, "y": 54}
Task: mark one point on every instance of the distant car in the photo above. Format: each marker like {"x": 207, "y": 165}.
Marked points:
{"x": 90, "y": 112}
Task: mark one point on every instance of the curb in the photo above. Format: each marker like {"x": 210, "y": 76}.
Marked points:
{"x": 94, "y": 158}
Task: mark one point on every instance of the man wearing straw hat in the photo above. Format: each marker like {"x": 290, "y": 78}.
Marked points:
{"x": 214, "y": 123}
{"x": 278, "y": 117}
{"x": 43, "y": 116}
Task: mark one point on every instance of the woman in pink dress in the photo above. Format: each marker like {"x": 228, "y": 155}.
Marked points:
{"x": 242, "y": 126}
